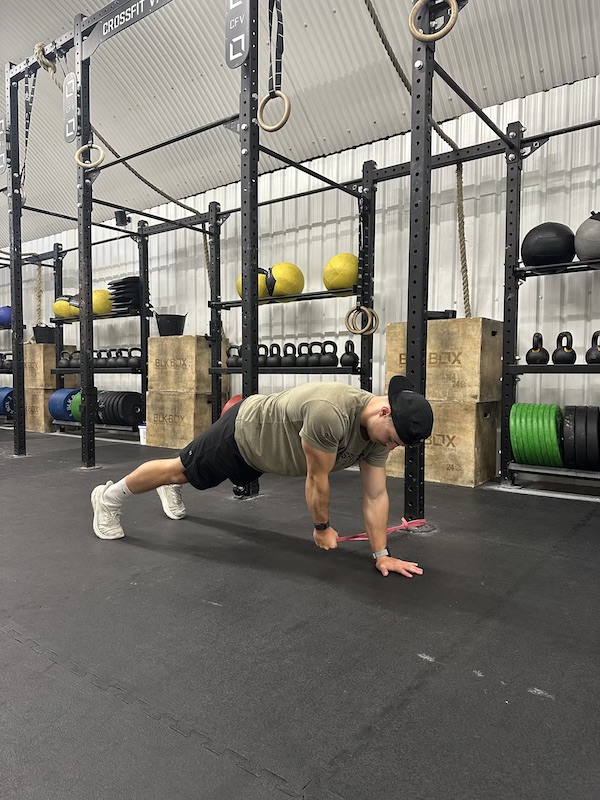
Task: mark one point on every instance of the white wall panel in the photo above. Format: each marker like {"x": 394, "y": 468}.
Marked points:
{"x": 560, "y": 183}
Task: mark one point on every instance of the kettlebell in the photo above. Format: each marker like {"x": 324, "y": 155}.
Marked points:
{"x": 101, "y": 360}
{"x": 564, "y": 354}
{"x": 122, "y": 358}
{"x": 329, "y": 359}
{"x": 111, "y": 361}
{"x": 8, "y": 362}
{"x": 302, "y": 357}
{"x": 538, "y": 353}
{"x": 263, "y": 352}
{"x": 593, "y": 354}
{"x": 314, "y": 358}
{"x": 349, "y": 357}
{"x": 288, "y": 359}
{"x": 135, "y": 362}
{"x": 75, "y": 362}
{"x": 274, "y": 359}
{"x": 64, "y": 362}
{"x": 233, "y": 360}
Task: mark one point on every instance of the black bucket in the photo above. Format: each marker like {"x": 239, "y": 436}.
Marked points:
{"x": 170, "y": 324}
{"x": 44, "y": 334}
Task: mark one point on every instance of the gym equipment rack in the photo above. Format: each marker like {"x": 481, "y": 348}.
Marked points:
{"x": 511, "y": 144}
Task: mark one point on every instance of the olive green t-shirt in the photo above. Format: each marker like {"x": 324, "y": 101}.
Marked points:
{"x": 269, "y": 428}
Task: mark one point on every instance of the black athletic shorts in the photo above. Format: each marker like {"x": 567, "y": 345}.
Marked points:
{"x": 214, "y": 456}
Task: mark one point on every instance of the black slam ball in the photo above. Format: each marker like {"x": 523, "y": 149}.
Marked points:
{"x": 548, "y": 243}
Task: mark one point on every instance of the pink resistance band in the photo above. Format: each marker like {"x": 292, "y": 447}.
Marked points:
{"x": 404, "y": 525}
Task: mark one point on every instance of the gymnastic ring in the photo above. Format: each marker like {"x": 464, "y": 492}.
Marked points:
{"x": 432, "y": 37}
{"x": 372, "y": 320}
{"x": 286, "y": 111}
{"x": 89, "y": 164}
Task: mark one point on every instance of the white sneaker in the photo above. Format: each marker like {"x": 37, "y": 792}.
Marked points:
{"x": 107, "y": 518}
{"x": 172, "y": 501}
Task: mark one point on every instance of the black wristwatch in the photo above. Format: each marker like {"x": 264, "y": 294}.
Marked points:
{"x": 321, "y": 526}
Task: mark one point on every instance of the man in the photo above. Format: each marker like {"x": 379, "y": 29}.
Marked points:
{"x": 310, "y": 430}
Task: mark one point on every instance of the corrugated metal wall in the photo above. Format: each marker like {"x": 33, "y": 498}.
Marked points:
{"x": 560, "y": 184}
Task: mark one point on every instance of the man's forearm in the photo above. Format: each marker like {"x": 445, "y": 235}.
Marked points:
{"x": 376, "y": 512}
{"x": 317, "y": 497}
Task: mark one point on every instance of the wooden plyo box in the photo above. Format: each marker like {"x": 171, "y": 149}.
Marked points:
{"x": 37, "y": 416}
{"x": 464, "y": 358}
{"x": 181, "y": 363}
{"x": 462, "y": 447}
{"x": 38, "y": 360}
{"x": 173, "y": 419}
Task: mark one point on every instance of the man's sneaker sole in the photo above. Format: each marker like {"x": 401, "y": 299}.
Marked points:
{"x": 165, "y": 507}
{"x": 96, "y": 498}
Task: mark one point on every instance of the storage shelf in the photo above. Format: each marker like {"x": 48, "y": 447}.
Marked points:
{"x": 288, "y": 370}
{"x": 562, "y": 472}
{"x": 5, "y": 327}
{"x": 517, "y": 369}
{"x": 557, "y": 269}
{"x": 225, "y": 305}
{"x": 63, "y": 423}
{"x": 114, "y": 371}
{"x": 112, "y": 315}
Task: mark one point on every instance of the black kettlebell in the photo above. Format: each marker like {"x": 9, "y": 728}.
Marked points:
{"x": 263, "y": 352}
{"x": 538, "y": 353}
{"x": 101, "y": 360}
{"x": 593, "y": 354}
{"x": 288, "y": 359}
{"x": 329, "y": 359}
{"x": 233, "y": 358}
{"x": 75, "y": 362}
{"x": 314, "y": 358}
{"x": 64, "y": 362}
{"x": 564, "y": 354}
{"x": 349, "y": 357}
{"x": 302, "y": 357}
{"x": 123, "y": 358}
{"x": 274, "y": 358}
{"x": 8, "y": 362}
{"x": 135, "y": 362}
{"x": 111, "y": 361}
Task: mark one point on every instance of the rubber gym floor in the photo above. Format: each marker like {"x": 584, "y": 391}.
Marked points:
{"x": 225, "y": 656}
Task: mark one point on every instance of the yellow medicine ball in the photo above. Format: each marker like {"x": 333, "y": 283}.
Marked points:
{"x": 341, "y": 272}
{"x": 101, "y": 301}
{"x": 262, "y": 284}
{"x": 285, "y": 278}
{"x": 61, "y": 308}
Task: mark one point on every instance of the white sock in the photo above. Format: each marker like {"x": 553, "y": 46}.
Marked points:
{"x": 116, "y": 493}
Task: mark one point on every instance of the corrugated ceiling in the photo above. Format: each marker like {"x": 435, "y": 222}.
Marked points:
{"x": 167, "y": 75}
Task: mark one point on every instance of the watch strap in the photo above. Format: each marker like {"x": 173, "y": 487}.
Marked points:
{"x": 321, "y": 526}
{"x": 380, "y": 553}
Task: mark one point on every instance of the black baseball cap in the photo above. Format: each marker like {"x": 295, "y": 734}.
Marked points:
{"x": 411, "y": 413}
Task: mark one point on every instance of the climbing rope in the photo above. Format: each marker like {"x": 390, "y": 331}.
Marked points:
{"x": 450, "y": 142}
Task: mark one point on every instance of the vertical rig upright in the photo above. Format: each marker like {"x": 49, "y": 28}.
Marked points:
{"x": 216, "y": 327}
{"x": 144, "y": 269}
{"x": 84, "y": 230}
{"x": 249, "y": 142}
{"x": 418, "y": 263}
{"x": 366, "y": 262}
{"x": 16, "y": 264}
{"x": 514, "y": 172}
